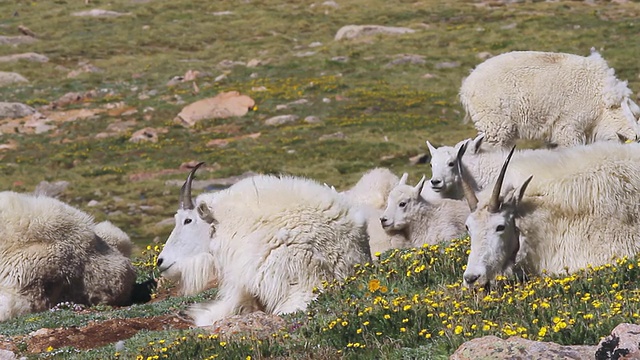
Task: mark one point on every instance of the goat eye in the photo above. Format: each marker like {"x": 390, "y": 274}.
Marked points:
{"x": 430, "y": 165}
{"x": 402, "y": 204}
{"x": 187, "y": 221}
{"x": 500, "y": 228}
{"x": 466, "y": 227}
{"x": 451, "y": 164}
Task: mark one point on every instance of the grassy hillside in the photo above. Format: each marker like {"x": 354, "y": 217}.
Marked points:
{"x": 386, "y": 111}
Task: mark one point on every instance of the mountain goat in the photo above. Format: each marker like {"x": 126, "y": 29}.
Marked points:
{"x": 585, "y": 214}
{"x": 50, "y": 253}
{"x": 419, "y": 220}
{"x": 370, "y": 195}
{"x": 563, "y": 99}
{"x": 189, "y": 263}
{"x": 273, "y": 239}
{"x": 445, "y": 179}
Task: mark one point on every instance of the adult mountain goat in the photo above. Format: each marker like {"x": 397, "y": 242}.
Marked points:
{"x": 50, "y": 253}
{"x": 563, "y": 99}
{"x": 273, "y": 239}
{"x": 586, "y": 214}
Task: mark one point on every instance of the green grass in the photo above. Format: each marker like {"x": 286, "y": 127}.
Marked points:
{"x": 386, "y": 113}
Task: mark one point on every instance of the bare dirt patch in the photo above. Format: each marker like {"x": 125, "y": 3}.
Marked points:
{"x": 99, "y": 334}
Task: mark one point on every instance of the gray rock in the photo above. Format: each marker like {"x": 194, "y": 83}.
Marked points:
{"x": 356, "y": 31}
{"x": 222, "y": 13}
{"x": 7, "y": 355}
{"x": 623, "y": 343}
{"x": 258, "y": 325}
{"x": 335, "y": 136}
{"x": 494, "y": 348}
{"x": 448, "y": 65}
{"x": 342, "y": 59}
{"x": 312, "y": 120}
{"x": 17, "y": 40}
{"x": 8, "y": 78}
{"x": 484, "y": 55}
{"x": 281, "y": 120}
{"x": 330, "y": 3}
{"x": 15, "y": 110}
{"x": 26, "y": 57}
{"x": 305, "y": 54}
{"x": 406, "y": 59}
{"x": 99, "y": 13}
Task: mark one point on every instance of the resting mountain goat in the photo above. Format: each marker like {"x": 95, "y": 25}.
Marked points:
{"x": 273, "y": 240}
{"x": 585, "y": 214}
{"x": 50, "y": 253}
{"x": 186, "y": 257}
{"x": 370, "y": 194}
{"x": 563, "y": 99}
{"x": 482, "y": 167}
{"x": 419, "y": 220}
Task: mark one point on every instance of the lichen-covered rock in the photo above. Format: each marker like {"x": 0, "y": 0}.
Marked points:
{"x": 256, "y": 324}
{"x": 495, "y": 348}
{"x": 623, "y": 343}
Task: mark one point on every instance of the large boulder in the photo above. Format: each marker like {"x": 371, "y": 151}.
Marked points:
{"x": 221, "y": 106}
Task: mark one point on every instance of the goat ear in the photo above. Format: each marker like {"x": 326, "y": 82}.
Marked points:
{"x": 432, "y": 149}
{"x": 205, "y": 213}
{"x": 403, "y": 179}
{"x": 420, "y": 186}
{"x": 633, "y": 107}
{"x": 475, "y": 143}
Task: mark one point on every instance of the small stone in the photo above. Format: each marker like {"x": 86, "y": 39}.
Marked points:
{"x": 281, "y": 120}
{"x": 312, "y": 120}
{"x": 93, "y": 203}
{"x": 335, "y": 136}
{"x": 99, "y": 13}
{"x": 315, "y": 44}
{"x": 342, "y": 59}
{"x": 448, "y": 65}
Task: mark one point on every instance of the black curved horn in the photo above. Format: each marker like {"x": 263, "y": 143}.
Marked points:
{"x": 494, "y": 202}
{"x": 186, "y": 203}
{"x": 468, "y": 191}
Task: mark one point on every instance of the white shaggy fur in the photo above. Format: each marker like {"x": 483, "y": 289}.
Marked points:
{"x": 115, "y": 237}
{"x": 419, "y": 220}
{"x": 580, "y": 209}
{"x": 50, "y": 253}
{"x": 445, "y": 180}
{"x": 370, "y": 195}
{"x": 563, "y": 99}
{"x": 274, "y": 239}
